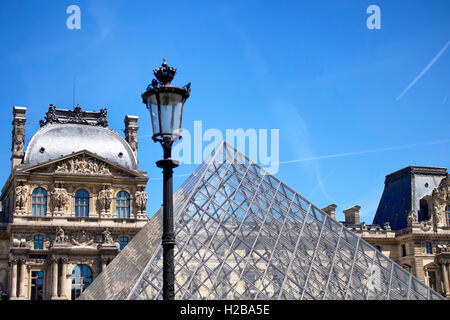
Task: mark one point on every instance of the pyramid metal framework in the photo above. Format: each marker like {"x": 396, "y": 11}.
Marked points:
{"x": 243, "y": 234}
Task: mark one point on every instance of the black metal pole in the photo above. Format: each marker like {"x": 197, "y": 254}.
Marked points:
{"x": 168, "y": 237}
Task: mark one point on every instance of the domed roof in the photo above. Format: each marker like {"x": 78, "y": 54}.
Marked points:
{"x": 55, "y": 140}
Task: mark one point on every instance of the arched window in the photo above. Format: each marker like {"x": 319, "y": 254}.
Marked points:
{"x": 82, "y": 203}
{"x": 447, "y": 214}
{"x": 123, "y": 205}
{"x": 39, "y": 202}
{"x": 81, "y": 279}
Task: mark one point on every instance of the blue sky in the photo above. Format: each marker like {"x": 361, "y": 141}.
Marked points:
{"x": 311, "y": 69}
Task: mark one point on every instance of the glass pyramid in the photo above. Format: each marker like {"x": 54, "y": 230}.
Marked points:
{"x": 243, "y": 234}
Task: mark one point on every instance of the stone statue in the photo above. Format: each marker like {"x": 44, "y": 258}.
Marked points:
{"x": 21, "y": 197}
{"x": 141, "y": 200}
{"x": 60, "y": 198}
{"x": 105, "y": 199}
{"x": 60, "y": 237}
{"x": 412, "y": 218}
{"x": 107, "y": 239}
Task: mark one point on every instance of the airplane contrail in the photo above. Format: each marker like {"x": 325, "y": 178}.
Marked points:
{"x": 344, "y": 154}
{"x": 424, "y": 70}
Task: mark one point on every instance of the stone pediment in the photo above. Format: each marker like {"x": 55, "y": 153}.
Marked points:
{"x": 83, "y": 163}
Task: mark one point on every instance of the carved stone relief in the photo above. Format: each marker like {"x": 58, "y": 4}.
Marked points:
{"x": 82, "y": 238}
{"x": 83, "y": 165}
{"x": 438, "y": 200}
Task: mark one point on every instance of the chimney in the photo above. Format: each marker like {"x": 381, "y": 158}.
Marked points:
{"x": 18, "y": 136}
{"x": 131, "y": 128}
{"x": 330, "y": 210}
{"x": 352, "y": 215}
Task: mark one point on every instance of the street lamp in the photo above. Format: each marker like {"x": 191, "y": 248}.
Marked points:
{"x": 165, "y": 103}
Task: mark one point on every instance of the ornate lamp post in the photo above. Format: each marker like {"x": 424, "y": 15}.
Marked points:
{"x": 165, "y": 103}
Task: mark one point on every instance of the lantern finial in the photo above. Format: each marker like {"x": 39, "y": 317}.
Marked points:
{"x": 164, "y": 74}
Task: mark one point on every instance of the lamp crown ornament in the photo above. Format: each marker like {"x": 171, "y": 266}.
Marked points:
{"x": 164, "y": 74}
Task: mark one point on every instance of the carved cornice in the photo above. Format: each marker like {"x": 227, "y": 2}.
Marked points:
{"x": 413, "y": 170}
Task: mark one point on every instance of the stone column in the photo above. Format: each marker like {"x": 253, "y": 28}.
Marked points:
{"x": 446, "y": 290}
{"x": 13, "y": 284}
{"x": 62, "y": 281}
{"x": 22, "y": 279}
{"x": 54, "y": 264}
{"x": 437, "y": 273}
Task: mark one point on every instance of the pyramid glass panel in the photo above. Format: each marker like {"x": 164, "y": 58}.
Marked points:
{"x": 243, "y": 234}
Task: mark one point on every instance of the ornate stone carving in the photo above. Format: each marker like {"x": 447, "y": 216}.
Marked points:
{"x": 82, "y": 239}
{"x": 18, "y": 136}
{"x": 440, "y": 197}
{"x": 21, "y": 197}
{"x": 107, "y": 238}
{"x": 77, "y": 115}
{"x": 141, "y": 201}
{"x": 83, "y": 165}
{"x": 61, "y": 238}
{"x": 60, "y": 198}
{"x": 426, "y": 225}
{"x": 412, "y": 218}
{"x": 104, "y": 200}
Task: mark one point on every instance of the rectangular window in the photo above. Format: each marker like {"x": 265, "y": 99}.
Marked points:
{"x": 38, "y": 242}
{"x": 403, "y": 250}
{"x": 123, "y": 241}
{"x": 428, "y": 248}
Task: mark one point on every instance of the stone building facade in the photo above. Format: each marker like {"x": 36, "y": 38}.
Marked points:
{"x": 412, "y": 224}
{"x": 75, "y": 197}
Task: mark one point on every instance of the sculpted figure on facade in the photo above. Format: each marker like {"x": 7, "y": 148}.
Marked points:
{"x": 104, "y": 200}
{"x": 60, "y": 236}
{"x": 21, "y": 197}
{"x": 107, "y": 238}
{"x": 412, "y": 218}
{"x": 141, "y": 201}
{"x": 60, "y": 198}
